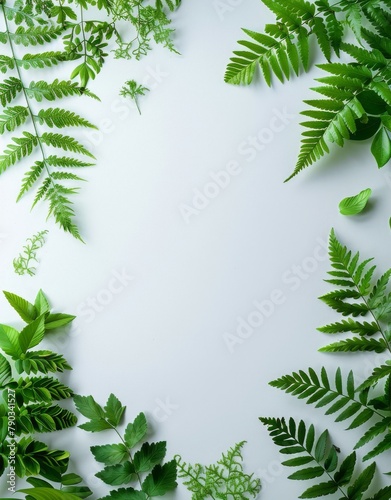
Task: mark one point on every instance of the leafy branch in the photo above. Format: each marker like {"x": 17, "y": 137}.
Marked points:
{"x": 128, "y": 462}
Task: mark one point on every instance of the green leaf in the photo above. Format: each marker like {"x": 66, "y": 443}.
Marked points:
{"x": 355, "y": 204}
{"x": 321, "y": 445}
{"x": 136, "y": 431}
{"x": 5, "y": 371}
{"x": 363, "y": 482}
{"x": 372, "y": 102}
{"x": 58, "y": 320}
{"x": 115, "y": 475}
{"x": 381, "y": 147}
{"x": 366, "y": 129}
{"x": 114, "y": 410}
{"x": 320, "y": 490}
{"x": 32, "y": 334}
{"x": 25, "y": 310}
{"x": 161, "y": 480}
{"x": 88, "y": 407}
{"x": 41, "y": 303}
{"x": 148, "y": 456}
{"x": 110, "y": 454}
{"x": 9, "y": 341}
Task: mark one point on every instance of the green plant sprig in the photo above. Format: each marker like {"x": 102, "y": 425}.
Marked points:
{"x": 23, "y": 263}
{"x": 132, "y": 462}
{"x": 225, "y": 480}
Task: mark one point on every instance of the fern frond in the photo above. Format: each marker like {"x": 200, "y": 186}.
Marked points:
{"x": 357, "y": 296}
{"x": 341, "y": 400}
{"x": 60, "y": 118}
{"x": 12, "y": 118}
{"x": 66, "y": 162}
{"x": 20, "y": 148}
{"x": 37, "y": 35}
{"x": 9, "y": 89}
{"x": 56, "y": 90}
{"x": 379, "y": 372}
{"x": 40, "y": 61}
{"x": 315, "y": 458}
{"x": 64, "y": 142}
{"x": 30, "y": 177}
{"x": 351, "y": 326}
{"x": 338, "y": 123}
{"x": 60, "y": 208}
{"x": 356, "y": 344}
{"x": 271, "y": 54}
{"x": 6, "y": 63}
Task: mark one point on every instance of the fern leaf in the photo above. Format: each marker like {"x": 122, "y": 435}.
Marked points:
{"x": 64, "y": 142}
{"x": 40, "y": 61}
{"x": 376, "y": 430}
{"x": 6, "y": 63}
{"x": 43, "y": 418}
{"x": 383, "y": 446}
{"x": 319, "y": 28}
{"x": 56, "y": 90}
{"x": 60, "y": 118}
{"x": 352, "y": 326}
{"x": 378, "y": 373}
{"x": 341, "y": 400}
{"x": 12, "y": 118}
{"x": 20, "y": 148}
{"x": 60, "y": 208}
{"x": 66, "y": 162}
{"x": 373, "y": 59}
{"x": 355, "y": 344}
{"x": 9, "y": 89}
{"x": 339, "y": 123}
{"x": 37, "y": 35}
{"x": 31, "y": 177}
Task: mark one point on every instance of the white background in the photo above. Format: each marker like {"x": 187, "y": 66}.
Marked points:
{"x": 162, "y": 337}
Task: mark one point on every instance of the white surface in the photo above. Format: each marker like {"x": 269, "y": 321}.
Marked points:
{"x": 162, "y": 336}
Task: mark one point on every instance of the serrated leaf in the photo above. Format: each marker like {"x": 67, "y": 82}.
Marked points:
{"x": 110, "y": 454}
{"x": 161, "y": 480}
{"x": 88, "y": 407}
{"x": 148, "y": 456}
{"x": 114, "y": 410}
{"x": 136, "y": 431}
{"x": 25, "y": 310}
